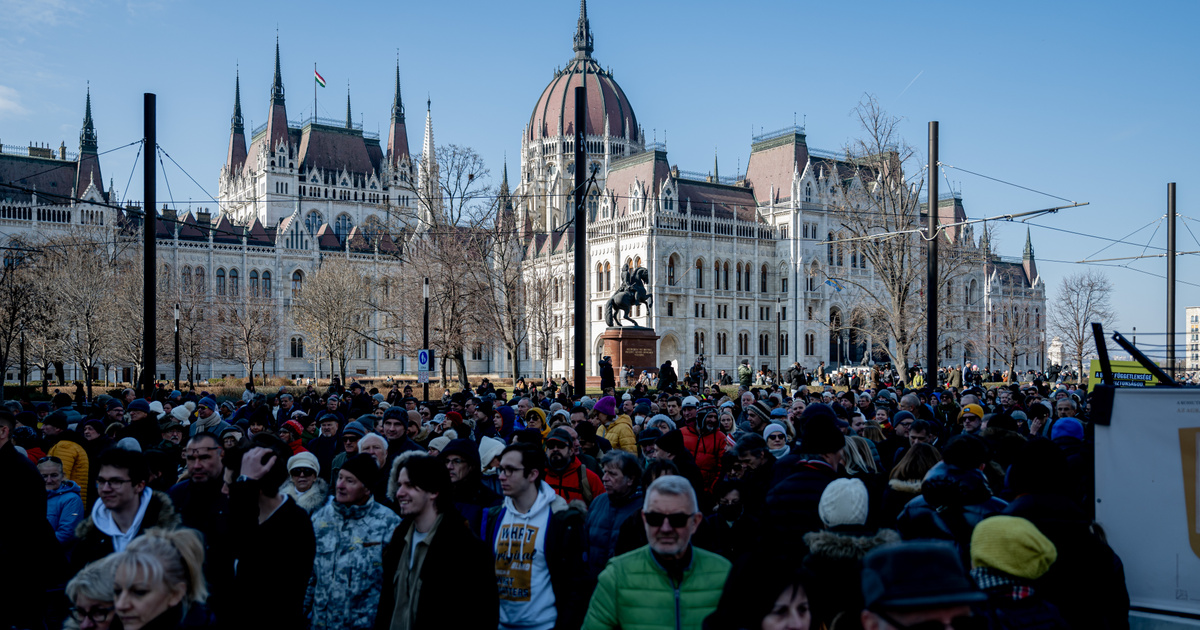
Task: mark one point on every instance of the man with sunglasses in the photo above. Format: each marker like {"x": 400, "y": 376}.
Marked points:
{"x": 918, "y": 586}
{"x": 539, "y": 544}
{"x": 674, "y": 584}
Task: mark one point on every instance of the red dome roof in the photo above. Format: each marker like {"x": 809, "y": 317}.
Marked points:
{"x": 605, "y": 100}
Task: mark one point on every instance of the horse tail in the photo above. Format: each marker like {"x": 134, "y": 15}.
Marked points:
{"x": 608, "y": 313}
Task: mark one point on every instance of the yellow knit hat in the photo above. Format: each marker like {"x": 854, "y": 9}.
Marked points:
{"x": 1013, "y": 545}
{"x": 975, "y": 409}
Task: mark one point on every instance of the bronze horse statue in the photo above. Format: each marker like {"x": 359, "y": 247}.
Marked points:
{"x": 631, "y": 293}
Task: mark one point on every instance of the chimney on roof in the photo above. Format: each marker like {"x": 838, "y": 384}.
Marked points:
{"x": 168, "y": 219}
{"x": 204, "y": 218}
{"x": 62, "y": 150}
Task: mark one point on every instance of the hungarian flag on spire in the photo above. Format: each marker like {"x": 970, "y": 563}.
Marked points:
{"x": 320, "y": 79}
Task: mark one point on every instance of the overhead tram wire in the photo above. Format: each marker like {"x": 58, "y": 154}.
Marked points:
{"x": 125, "y": 192}
{"x": 1128, "y": 235}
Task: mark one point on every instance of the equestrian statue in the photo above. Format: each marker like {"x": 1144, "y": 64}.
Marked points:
{"x": 631, "y": 293}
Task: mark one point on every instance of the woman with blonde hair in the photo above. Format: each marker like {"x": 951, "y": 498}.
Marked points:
{"x": 91, "y": 595}
{"x": 159, "y": 580}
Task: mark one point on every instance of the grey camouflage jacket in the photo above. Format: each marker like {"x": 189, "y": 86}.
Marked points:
{"x": 347, "y": 576}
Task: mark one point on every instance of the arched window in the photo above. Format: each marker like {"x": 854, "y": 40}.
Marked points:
{"x": 607, "y": 276}
{"x": 593, "y": 203}
{"x": 637, "y": 262}
{"x": 233, "y": 282}
{"x": 699, "y": 274}
{"x": 739, "y": 276}
{"x": 201, "y": 281}
{"x": 749, "y": 285}
{"x": 266, "y": 284}
{"x": 599, "y": 277}
{"x": 343, "y": 226}
{"x": 726, "y": 275}
{"x": 557, "y": 290}
{"x": 253, "y": 283}
{"x": 558, "y": 348}
{"x": 297, "y": 348}
{"x": 717, "y": 274}
{"x": 220, "y": 282}
{"x": 762, "y": 280}
{"x": 313, "y": 222}
{"x": 186, "y": 272}
{"x": 297, "y": 283}
{"x": 698, "y": 340}
{"x": 829, "y": 249}
{"x": 808, "y": 192}
{"x": 669, "y": 202}
{"x": 671, "y": 271}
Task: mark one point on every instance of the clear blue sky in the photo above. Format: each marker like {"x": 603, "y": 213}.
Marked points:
{"x": 1092, "y": 101}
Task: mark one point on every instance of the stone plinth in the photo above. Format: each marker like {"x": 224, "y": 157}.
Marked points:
{"x": 632, "y": 347}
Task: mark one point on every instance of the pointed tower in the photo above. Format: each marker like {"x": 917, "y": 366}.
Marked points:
{"x": 88, "y": 169}
{"x": 349, "y": 116}
{"x": 397, "y": 134}
{"x": 235, "y": 158}
{"x": 1027, "y": 260}
{"x": 583, "y": 34}
{"x": 277, "y": 126}
{"x": 431, "y": 194}
{"x": 716, "y": 171}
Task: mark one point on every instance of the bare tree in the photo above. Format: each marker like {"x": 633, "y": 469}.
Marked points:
{"x": 461, "y": 188}
{"x": 539, "y": 317}
{"x": 251, "y": 327}
{"x": 1083, "y": 298}
{"x": 197, "y": 333}
{"x": 22, "y": 300}
{"x": 879, "y": 218}
{"x": 501, "y": 278}
{"x": 332, "y": 309}
{"x": 1011, "y": 331}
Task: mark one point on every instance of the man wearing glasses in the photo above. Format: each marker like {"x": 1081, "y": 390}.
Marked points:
{"x": 675, "y": 584}
{"x": 126, "y": 509}
{"x": 539, "y": 545}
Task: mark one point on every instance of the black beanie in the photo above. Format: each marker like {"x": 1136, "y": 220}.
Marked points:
{"x": 363, "y": 467}
{"x": 672, "y": 443}
{"x": 822, "y": 436}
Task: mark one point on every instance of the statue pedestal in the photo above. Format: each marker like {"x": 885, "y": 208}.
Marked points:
{"x": 632, "y": 347}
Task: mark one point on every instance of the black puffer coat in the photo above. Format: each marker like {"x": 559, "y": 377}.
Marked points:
{"x": 953, "y": 501}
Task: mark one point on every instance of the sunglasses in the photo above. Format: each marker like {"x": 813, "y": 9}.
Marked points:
{"x": 304, "y": 472}
{"x": 678, "y": 520}
{"x": 50, "y": 458}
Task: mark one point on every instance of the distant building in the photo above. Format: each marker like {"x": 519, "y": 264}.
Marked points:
{"x": 1054, "y": 352}
{"x": 1192, "y": 317}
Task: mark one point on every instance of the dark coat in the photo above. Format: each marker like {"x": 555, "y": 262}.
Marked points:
{"x": 145, "y": 431}
{"x": 456, "y": 563}
{"x": 836, "y": 557}
{"x": 952, "y": 502}
{"x": 791, "y": 508}
{"x": 666, "y": 377}
{"x": 897, "y": 495}
{"x": 204, "y": 508}
{"x": 1087, "y": 582}
{"x": 604, "y": 521}
{"x": 94, "y": 544}
{"x": 471, "y": 498}
{"x": 27, "y": 543}
{"x": 274, "y": 561}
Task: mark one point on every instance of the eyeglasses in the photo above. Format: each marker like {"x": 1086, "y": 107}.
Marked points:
{"x": 49, "y": 458}
{"x": 777, "y": 436}
{"x": 456, "y": 461}
{"x": 962, "y": 622}
{"x": 112, "y": 483}
{"x": 97, "y": 615}
{"x": 304, "y": 472}
{"x": 678, "y": 520}
{"x": 906, "y": 423}
{"x": 509, "y": 471}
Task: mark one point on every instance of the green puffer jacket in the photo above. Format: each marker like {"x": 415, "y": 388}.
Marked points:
{"x": 635, "y": 593}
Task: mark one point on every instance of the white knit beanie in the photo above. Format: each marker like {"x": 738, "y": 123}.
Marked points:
{"x": 844, "y": 502}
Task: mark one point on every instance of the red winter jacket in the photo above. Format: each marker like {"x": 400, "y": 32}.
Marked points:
{"x": 707, "y": 449}
{"x": 570, "y": 483}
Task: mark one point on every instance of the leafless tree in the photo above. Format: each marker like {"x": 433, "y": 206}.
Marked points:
{"x": 1083, "y": 298}
{"x": 539, "y": 317}
{"x": 197, "y": 327}
{"x": 332, "y": 308}
{"x": 501, "y": 279}
{"x": 22, "y": 304}
{"x": 1012, "y": 332}
{"x": 251, "y": 328}
{"x": 461, "y": 189}
{"x": 879, "y": 222}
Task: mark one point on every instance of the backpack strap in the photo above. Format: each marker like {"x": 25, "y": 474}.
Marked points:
{"x": 585, "y": 488}
{"x": 488, "y": 534}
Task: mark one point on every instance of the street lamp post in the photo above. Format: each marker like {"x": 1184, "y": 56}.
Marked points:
{"x": 177, "y": 346}
{"x": 425, "y": 342}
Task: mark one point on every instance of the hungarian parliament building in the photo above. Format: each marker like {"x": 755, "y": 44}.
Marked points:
{"x": 737, "y": 264}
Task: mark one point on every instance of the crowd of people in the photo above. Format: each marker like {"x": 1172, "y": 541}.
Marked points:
{"x": 693, "y": 505}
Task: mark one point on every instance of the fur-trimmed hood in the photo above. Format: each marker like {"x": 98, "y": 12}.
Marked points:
{"x": 160, "y": 513}
{"x": 910, "y": 487}
{"x": 311, "y": 500}
{"x": 833, "y": 544}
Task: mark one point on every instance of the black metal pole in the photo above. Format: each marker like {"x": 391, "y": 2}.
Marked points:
{"x": 1171, "y": 279}
{"x": 778, "y": 339}
{"x": 177, "y": 347}
{"x": 931, "y": 273}
{"x": 149, "y": 257}
{"x": 24, "y": 382}
{"x": 581, "y": 253}
{"x": 425, "y": 341}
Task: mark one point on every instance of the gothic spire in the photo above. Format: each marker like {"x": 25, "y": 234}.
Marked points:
{"x": 504, "y": 180}
{"x": 716, "y": 173}
{"x": 87, "y": 136}
{"x": 397, "y": 102}
{"x": 237, "y": 123}
{"x": 1028, "y": 255}
{"x": 583, "y": 34}
{"x": 349, "y": 116}
{"x": 277, "y": 85}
